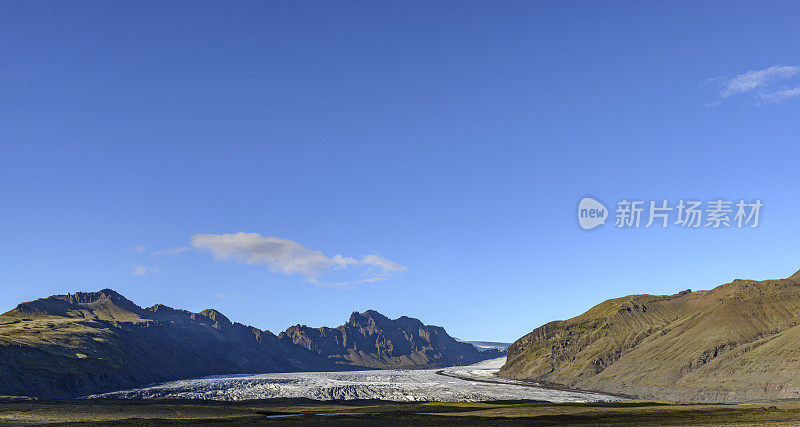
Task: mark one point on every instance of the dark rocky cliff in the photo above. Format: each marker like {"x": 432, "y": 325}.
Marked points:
{"x": 370, "y": 339}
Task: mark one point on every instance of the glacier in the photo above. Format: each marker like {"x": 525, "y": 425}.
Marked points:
{"x": 472, "y": 383}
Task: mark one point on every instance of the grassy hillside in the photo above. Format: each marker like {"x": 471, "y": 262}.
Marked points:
{"x": 736, "y": 342}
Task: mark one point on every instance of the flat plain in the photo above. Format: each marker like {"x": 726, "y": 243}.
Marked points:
{"x": 371, "y": 412}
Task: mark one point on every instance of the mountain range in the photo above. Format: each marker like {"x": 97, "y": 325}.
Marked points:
{"x": 93, "y": 342}
{"x": 736, "y": 342}
{"x": 372, "y": 340}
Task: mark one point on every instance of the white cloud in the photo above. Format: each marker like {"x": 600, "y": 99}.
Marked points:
{"x": 280, "y": 255}
{"x": 289, "y": 257}
{"x": 383, "y": 263}
{"x": 173, "y": 251}
{"x": 779, "y": 96}
{"x": 138, "y": 248}
{"x": 761, "y": 84}
{"x": 142, "y": 270}
{"x": 220, "y": 295}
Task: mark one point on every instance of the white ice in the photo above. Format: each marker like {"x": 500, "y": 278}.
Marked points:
{"x": 476, "y": 382}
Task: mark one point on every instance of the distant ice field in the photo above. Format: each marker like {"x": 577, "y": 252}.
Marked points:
{"x": 459, "y": 383}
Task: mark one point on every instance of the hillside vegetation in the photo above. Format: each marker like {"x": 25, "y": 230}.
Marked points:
{"x": 737, "y": 342}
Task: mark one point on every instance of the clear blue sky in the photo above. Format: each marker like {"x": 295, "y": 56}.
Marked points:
{"x": 452, "y": 138}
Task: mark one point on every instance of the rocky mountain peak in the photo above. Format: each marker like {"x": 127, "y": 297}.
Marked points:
{"x": 218, "y": 318}
{"x": 92, "y": 297}
{"x": 105, "y": 303}
{"x": 367, "y": 318}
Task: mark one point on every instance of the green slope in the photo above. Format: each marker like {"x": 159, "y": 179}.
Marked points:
{"x": 737, "y": 342}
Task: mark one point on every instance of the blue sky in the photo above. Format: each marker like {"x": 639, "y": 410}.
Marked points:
{"x": 438, "y": 148}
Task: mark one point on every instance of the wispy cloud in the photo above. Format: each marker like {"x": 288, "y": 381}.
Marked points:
{"x": 173, "y": 251}
{"x": 143, "y": 270}
{"x": 289, "y": 257}
{"x": 223, "y": 296}
{"x": 767, "y": 86}
{"x": 138, "y": 248}
{"x": 382, "y": 263}
{"x": 780, "y": 95}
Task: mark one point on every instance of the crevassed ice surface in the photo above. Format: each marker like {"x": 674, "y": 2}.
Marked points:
{"x": 461, "y": 383}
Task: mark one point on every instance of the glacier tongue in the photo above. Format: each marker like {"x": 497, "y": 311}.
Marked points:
{"x": 458, "y": 383}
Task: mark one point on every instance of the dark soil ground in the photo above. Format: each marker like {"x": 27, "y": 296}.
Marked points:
{"x": 301, "y": 411}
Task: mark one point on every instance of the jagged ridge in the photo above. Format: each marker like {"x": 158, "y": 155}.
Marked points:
{"x": 370, "y": 339}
